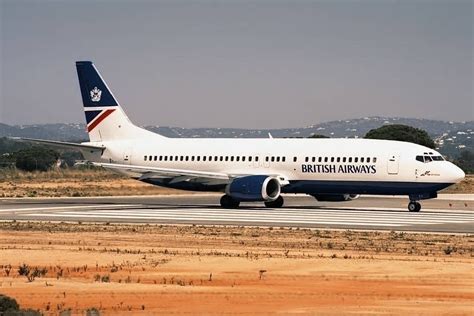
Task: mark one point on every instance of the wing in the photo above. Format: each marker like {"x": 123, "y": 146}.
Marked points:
{"x": 178, "y": 175}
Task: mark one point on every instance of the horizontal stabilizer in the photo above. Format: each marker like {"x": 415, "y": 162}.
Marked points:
{"x": 64, "y": 145}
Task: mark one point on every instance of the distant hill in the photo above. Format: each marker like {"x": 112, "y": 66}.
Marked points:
{"x": 451, "y": 136}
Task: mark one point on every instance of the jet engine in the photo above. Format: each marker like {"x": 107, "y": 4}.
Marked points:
{"x": 335, "y": 197}
{"x": 254, "y": 188}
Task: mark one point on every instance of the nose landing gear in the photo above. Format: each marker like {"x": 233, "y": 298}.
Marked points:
{"x": 414, "y": 206}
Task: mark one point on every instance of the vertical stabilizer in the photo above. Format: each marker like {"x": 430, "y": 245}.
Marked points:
{"x": 104, "y": 117}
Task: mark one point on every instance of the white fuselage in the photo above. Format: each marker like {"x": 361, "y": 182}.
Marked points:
{"x": 315, "y": 160}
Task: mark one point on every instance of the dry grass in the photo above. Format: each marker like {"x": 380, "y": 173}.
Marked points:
{"x": 73, "y": 183}
{"x": 466, "y": 186}
{"x": 202, "y": 270}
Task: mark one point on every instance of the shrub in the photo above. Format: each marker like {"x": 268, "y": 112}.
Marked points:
{"x": 8, "y": 304}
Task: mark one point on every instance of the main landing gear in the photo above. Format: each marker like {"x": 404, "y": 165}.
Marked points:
{"x": 275, "y": 204}
{"x": 229, "y": 202}
{"x": 414, "y": 206}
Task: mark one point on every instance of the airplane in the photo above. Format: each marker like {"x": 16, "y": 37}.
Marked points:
{"x": 251, "y": 170}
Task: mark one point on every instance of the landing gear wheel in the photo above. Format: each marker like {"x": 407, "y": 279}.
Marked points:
{"x": 275, "y": 204}
{"x": 228, "y": 202}
{"x": 414, "y": 206}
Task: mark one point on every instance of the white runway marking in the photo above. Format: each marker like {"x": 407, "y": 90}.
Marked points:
{"x": 52, "y": 208}
{"x": 377, "y": 217}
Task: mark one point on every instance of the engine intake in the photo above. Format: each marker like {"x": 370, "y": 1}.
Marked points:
{"x": 254, "y": 188}
{"x": 335, "y": 197}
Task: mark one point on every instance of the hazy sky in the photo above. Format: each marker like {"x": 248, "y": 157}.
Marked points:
{"x": 240, "y": 63}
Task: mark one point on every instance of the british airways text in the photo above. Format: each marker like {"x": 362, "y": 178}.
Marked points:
{"x": 306, "y": 168}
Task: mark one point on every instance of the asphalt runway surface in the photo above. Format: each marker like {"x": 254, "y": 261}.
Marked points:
{"x": 447, "y": 214}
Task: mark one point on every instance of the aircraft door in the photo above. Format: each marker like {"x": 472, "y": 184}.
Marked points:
{"x": 392, "y": 165}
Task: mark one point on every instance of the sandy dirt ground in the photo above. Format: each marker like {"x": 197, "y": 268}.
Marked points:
{"x": 73, "y": 182}
{"x": 152, "y": 269}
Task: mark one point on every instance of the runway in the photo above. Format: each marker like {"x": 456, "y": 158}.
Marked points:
{"x": 451, "y": 214}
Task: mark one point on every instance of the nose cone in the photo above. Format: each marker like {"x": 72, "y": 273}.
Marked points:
{"x": 456, "y": 174}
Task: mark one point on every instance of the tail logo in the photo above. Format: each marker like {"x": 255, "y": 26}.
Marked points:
{"x": 95, "y": 94}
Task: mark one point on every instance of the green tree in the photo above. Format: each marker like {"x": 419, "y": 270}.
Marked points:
{"x": 465, "y": 161}
{"x": 402, "y": 133}
{"x": 35, "y": 158}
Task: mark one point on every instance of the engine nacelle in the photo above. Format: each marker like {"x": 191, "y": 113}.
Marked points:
{"x": 254, "y": 188}
{"x": 335, "y": 197}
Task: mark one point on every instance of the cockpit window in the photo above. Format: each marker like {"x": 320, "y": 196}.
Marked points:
{"x": 429, "y": 158}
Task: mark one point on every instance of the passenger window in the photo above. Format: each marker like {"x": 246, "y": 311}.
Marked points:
{"x": 181, "y": 158}
{"x": 171, "y": 158}
{"x": 361, "y": 159}
{"x": 273, "y": 159}
{"x": 374, "y": 160}
{"x": 344, "y": 159}
{"x": 266, "y": 158}
{"x": 216, "y": 158}
{"x": 283, "y": 159}
{"x": 250, "y": 158}
{"x": 150, "y": 158}
{"x": 338, "y": 159}
{"x": 165, "y": 158}
{"x": 176, "y": 158}
{"x": 243, "y": 158}
{"x": 368, "y": 159}
{"x": 144, "y": 157}
{"x": 221, "y": 158}
{"x": 192, "y": 158}
{"x": 332, "y": 159}
{"x": 294, "y": 159}
{"x": 278, "y": 159}
{"x": 306, "y": 159}
{"x": 198, "y": 158}
{"x": 226, "y": 158}
{"x": 231, "y": 158}
{"x": 187, "y": 158}
{"x": 204, "y": 158}
{"x": 256, "y": 158}
{"x": 237, "y": 158}
{"x": 356, "y": 159}
{"x": 320, "y": 159}
{"x": 326, "y": 159}
{"x": 350, "y": 159}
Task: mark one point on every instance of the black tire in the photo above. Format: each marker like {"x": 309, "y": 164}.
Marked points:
{"x": 414, "y": 206}
{"x": 418, "y": 207}
{"x": 275, "y": 204}
{"x": 228, "y": 202}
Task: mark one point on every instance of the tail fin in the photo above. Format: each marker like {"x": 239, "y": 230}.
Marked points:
{"x": 105, "y": 118}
